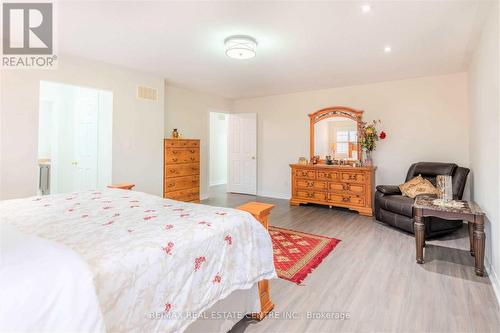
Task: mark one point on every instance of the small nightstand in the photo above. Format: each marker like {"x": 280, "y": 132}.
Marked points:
{"x": 124, "y": 186}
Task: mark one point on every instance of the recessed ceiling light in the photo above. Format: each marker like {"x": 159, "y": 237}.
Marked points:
{"x": 387, "y": 49}
{"x": 366, "y": 8}
{"x": 240, "y": 47}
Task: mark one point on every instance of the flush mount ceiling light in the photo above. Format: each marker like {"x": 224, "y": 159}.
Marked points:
{"x": 240, "y": 47}
{"x": 366, "y": 8}
{"x": 387, "y": 49}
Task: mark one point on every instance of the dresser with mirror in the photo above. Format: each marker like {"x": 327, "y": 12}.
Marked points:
{"x": 338, "y": 177}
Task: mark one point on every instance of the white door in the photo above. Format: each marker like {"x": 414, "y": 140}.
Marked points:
{"x": 85, "y": 139}
{"x": 242, "y": 153}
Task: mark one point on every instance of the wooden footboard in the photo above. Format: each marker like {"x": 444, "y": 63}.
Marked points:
{"x": 261, "y": 212}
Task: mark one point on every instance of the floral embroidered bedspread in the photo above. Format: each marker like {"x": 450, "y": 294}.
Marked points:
{"x": 157, "y": 263}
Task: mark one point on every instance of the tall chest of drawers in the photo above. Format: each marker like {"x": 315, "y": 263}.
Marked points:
{"x": 342, "y": 186}
{"x": 181, "y": 169}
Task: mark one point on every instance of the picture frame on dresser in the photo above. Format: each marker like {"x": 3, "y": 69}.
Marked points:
{"x": 347, "y": 185}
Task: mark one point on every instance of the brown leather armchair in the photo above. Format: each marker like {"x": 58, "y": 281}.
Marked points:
{"x": 395, "y": 209}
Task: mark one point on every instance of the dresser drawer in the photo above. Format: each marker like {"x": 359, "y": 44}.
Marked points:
{"x": 182, "y": 143}
{"x": 337, "y": 187}
{"x": 311, "y": 195}
{"x": 178, "y": 170}
{"x": 192, "y": 194}
{"x": 355, "y": 188}
{"x": 349, "y": 187}
{"x": 307, "y": 174}
{"x": 181, "y": 183}
{"x": 182, "y": 155}
{"x": 352, "y": 177}
{"x": 312, "y": 184}
{"x": 355, "y": 200}
{"x": 328, "y": 175}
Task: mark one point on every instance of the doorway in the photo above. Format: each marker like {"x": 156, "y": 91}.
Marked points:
{"x": 218, "y": 152}
{"x": 74, "y": 138}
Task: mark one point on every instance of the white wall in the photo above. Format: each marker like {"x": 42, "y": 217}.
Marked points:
{"x": 138, "y": 125}
{"x": 218, "y": 148}
{"x": 485, "y": 138}
{"x": 425, "y": 120}
{"x": 188, "y": 111}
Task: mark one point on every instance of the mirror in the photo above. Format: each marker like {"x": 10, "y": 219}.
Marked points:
{"x": 336, "y": 137}
{"x": 334, "y": 132}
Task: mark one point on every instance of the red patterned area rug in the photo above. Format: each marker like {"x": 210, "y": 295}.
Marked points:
{"x": 296, "y": 253}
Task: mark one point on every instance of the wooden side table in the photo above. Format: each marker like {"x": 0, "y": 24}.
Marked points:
{"x": 470, "y": 212}
{"x": 261, "y": 212}
{"x": 124, "y": 186}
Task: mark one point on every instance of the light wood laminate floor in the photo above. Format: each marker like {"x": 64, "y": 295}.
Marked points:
{"x": 372, "y": 276}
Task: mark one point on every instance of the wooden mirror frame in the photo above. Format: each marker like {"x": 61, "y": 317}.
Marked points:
{"x": 330, "y": 112}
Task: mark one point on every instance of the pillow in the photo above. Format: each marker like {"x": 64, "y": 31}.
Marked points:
{"x": 417, "y": 186}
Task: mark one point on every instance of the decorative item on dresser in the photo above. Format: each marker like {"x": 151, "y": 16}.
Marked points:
{"x": 181, "y": 169}
{"x": 334, "y": 137}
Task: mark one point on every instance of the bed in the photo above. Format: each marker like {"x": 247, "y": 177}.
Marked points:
{"x": 155, "y": 264}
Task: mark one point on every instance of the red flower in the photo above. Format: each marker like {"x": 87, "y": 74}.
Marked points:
{"x": 208, "y": 224}
{"x": 168, "y": 249}
{"x": 168, "y": 306}
{"x": 217, "y": 278}
{"x": 228, "y": 239}
{"x": 147, "y": 218}
{"x": 198, "y": 261}
{"x": 382, "y": 135}
{"x": 168, "y": 226}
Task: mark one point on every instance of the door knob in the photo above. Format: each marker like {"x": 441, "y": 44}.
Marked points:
{"x": 253, "y": 157}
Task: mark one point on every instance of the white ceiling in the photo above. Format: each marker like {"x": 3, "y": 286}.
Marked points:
{"x": 302, "y": 45}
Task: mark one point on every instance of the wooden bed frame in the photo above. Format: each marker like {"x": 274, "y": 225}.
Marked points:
{"x": 261, "y": 212}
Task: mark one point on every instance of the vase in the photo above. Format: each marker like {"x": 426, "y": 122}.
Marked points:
{"x": 367, "y": 158}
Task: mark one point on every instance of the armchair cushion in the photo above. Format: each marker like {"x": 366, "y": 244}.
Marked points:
{"x": 389, "y": 189}
{"x": 397, "y": 204}
{"x": 416, "y": 186}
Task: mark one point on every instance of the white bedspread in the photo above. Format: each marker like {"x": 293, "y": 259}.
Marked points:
{"x": 156, "y": 262}
{"x": 44, "y": 287}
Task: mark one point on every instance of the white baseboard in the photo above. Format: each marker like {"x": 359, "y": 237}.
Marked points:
{"x": 273, "y": 195}
{"x": 493, "y": 278}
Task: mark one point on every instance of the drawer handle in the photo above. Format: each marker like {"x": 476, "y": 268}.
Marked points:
{"x": 353, "y": 177}
{"x": 192, "y": 151}
{"x": 345, "y": 199}
{"x": 171, "y": 185}
{"x": 174, "y": 159}
{"x": 172, "y": 170}
{"x": 310, "y": 194}
{"x": 310, "y": 184}
{"x": 191, "y": 158}
{"x": 175, "y": 152}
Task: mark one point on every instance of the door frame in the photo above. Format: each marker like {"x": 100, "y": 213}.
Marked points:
{"x": 209, "y": 111}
